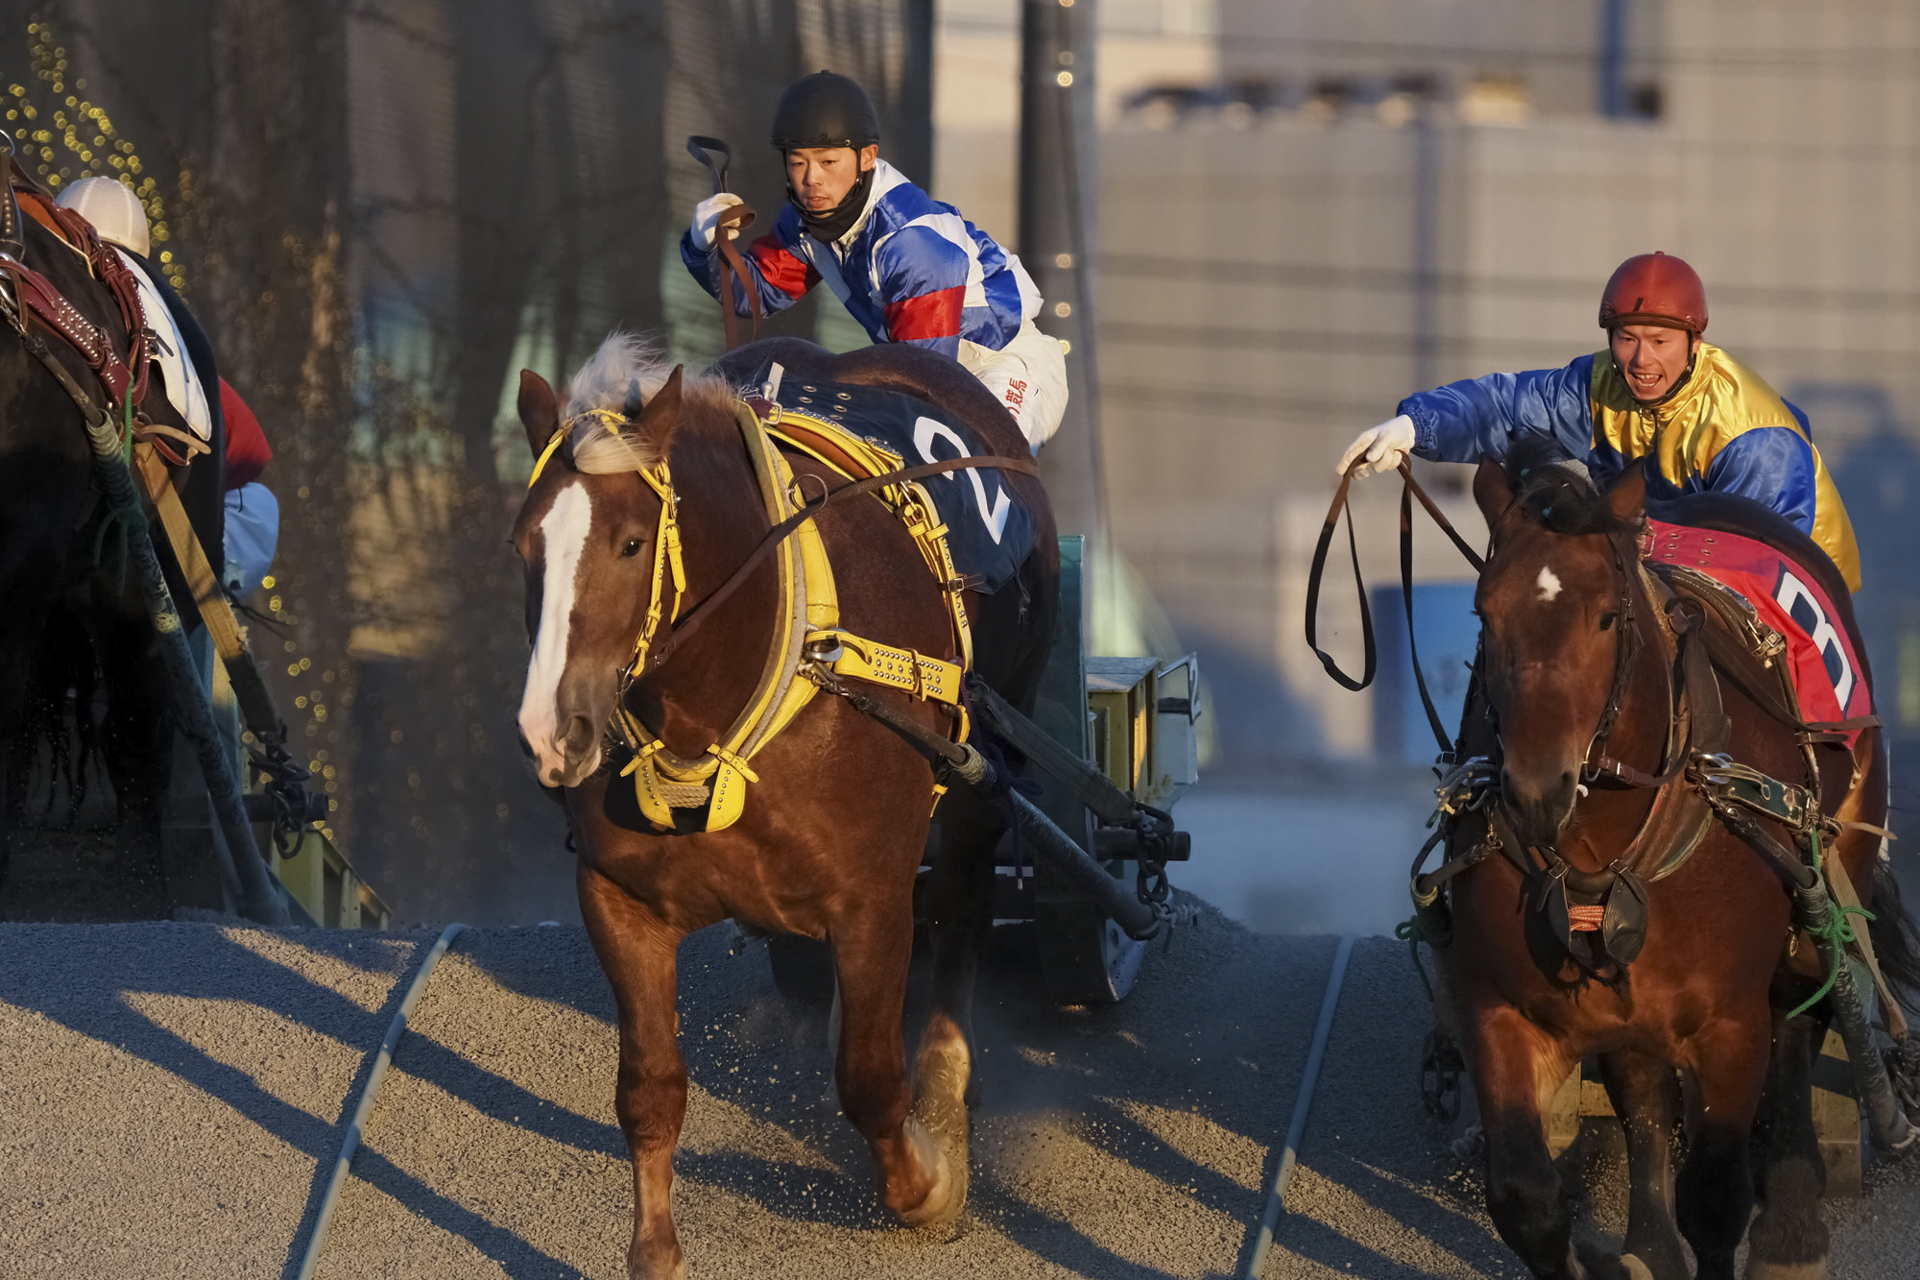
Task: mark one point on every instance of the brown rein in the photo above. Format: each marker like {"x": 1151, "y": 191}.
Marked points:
{"x": 1410, "y": 489}
{"x": 732, "y": 267}
{"x": 1591, "y": 768}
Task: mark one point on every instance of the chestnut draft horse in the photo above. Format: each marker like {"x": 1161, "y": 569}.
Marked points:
{"x": 1572, "y": 621}
{"x": 835, "y": 827}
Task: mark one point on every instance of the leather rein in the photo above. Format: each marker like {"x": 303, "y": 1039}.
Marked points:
{"x": 1592, "y": 768}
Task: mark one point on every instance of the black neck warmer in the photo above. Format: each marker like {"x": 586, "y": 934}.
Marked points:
{"x": 839, "y": 220}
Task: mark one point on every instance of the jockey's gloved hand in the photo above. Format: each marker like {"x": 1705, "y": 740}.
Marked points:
{"x": 706, "y": 217}
{"x": 1379, "y": 449}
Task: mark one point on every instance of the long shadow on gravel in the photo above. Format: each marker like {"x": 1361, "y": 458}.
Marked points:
{"x": 1181, "y": 1091}
{"x": 83, "y": 983}
{"x": 1378, "y": 1193}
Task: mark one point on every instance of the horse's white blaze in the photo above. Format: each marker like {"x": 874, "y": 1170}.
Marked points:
{"x": 563, "y": 531}
{"x": 1549, "y": 583}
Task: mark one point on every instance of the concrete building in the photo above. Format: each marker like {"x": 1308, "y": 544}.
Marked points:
{"x": 1310, "y": 209}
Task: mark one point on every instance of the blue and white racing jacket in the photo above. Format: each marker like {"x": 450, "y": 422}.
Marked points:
{"x": 910, "y": 270}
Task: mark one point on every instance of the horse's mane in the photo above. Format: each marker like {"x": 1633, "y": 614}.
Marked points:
{"x": 1556, "y": 489}
{"x": 621, "y": 377}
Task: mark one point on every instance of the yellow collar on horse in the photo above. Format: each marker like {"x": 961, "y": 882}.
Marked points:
{"x": 808, "y": 637}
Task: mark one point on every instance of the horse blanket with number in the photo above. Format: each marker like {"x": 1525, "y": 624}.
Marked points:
{"x": 1820, "y": 654}
{"x": 990, "y": 532}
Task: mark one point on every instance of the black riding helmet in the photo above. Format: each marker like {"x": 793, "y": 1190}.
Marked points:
{"x": 825, "y": 110}
{"x": 828, "y": 110}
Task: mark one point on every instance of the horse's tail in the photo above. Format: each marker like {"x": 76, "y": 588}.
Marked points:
{"x": 1896, "y": 939}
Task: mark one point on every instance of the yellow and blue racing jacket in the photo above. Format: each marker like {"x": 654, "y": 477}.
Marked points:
{"x": 1724, "y": 430}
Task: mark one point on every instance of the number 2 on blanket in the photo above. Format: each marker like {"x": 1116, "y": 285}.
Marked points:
{"x": 925, "y": 431}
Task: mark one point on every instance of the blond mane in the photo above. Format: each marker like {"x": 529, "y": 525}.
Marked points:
{"x": 622, "y": 377}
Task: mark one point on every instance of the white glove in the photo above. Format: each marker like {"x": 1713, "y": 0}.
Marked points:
{"x": 1380, "y": 449}
{"x": 706, "y": 217}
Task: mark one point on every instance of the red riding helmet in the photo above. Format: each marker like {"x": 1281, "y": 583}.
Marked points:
{"x": 1655, "y": 288}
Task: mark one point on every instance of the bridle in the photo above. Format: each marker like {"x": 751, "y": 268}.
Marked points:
{"x": 667, "y": 558}
{"x": 1596, "y": 763}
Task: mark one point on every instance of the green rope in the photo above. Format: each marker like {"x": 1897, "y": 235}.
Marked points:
{"x": 126, "y": 430}
{"x": 1839, "y": 931}
{"x": 1410, "y": 932}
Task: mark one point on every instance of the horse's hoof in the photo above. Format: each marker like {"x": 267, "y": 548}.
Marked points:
{"x": 947, "y": 1196}
{"x": 1759, "y": 1269}
{"x": 675, "y": 1270}
{"x": 1609, "y": 1266}
{"x": 942, "y": 1078}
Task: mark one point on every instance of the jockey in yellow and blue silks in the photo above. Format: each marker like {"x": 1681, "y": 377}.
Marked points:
{"x": 1659, "y": 390}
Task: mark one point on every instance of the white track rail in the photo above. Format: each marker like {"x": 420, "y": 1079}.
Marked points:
{"x": 1303, "y": 1103}
{"x": 351, "y": 1143}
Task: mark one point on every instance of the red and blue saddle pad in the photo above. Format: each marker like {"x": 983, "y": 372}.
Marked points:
{"x": 1821, "y": 656}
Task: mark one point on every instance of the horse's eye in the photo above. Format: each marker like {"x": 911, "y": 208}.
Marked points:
{"x": 1606, "y": 621}
{"x": 632, "y": 548}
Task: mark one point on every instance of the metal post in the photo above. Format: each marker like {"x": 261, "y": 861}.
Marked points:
{"x": 1612, "y": 64}
{"x": 1059, "y": 175}
{"x": 1425, "y": 135}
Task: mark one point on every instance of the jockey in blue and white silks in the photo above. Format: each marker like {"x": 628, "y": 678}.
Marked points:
{"x": 908, "y": 267}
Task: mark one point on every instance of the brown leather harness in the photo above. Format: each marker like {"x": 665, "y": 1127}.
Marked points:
{"x": 1696, "y": 781}
{"x": 27, "y": 293}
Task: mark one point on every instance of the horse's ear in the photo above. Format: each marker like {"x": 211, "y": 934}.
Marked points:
{"x": 1627, "y": 495}
{"x": 662, "y": 414}
{"x": 1491, "y": 491}
{"x": 539, "y": 411}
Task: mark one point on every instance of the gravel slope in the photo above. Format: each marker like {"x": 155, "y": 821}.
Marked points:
{"x": 173, "y": 1090}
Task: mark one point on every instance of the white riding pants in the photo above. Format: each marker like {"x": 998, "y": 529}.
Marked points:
{"x": 1028, "y": 376}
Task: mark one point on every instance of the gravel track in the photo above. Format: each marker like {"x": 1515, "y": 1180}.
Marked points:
{"x": 173, "y": 1091}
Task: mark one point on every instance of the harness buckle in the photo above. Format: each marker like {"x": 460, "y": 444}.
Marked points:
{"x": 824, "y": 651}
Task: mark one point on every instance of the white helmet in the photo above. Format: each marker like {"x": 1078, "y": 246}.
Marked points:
{"x": 113, "y": 209}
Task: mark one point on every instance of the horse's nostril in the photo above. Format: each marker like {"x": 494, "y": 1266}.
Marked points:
{"x": 580, "y": 735}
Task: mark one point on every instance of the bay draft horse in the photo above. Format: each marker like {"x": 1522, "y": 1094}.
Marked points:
{"x": 74, "y": 618}
{"x": 1719, "y": 965}
{"x": 835, "y": 828}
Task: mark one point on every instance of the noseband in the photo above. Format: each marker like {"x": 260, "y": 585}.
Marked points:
{"x": 667, "y": 560}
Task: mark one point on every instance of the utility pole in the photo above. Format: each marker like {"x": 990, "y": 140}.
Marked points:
{"x": 1059, "y": 177}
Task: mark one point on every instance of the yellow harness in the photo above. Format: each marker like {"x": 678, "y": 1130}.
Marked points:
{"x": 808, "y": 638}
